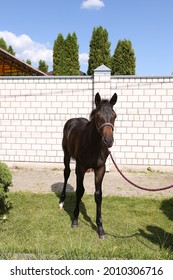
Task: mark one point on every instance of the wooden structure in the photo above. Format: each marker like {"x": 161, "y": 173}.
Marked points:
{"x": 12, "y": 66}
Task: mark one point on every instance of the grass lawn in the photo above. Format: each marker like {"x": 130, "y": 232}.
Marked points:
{"x": 136, "y": 228}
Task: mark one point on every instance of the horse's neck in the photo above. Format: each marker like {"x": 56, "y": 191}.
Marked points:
{"x": 95, "y": 144}
{"x": 93, "y": 134}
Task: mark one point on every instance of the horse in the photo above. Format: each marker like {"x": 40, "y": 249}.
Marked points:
{"x": 87, "y": 141}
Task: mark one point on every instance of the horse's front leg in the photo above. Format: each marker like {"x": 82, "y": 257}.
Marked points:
{"x": 79, "y": 193}
{"x": 99, "y": 174}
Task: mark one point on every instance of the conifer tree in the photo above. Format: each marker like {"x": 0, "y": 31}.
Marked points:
{"x": 123, "y": 60}
{"x": 59, "y": 56}
{"x": 28, "y": 61}
{"x": 65, "y": 55}
{"x": 10, "y": 50}
{"x": 71, "y": 55}
{"x": 43, "y": 66}
{"x": 5, "y": 47}
{"x": 3, "y": 44}
{"x": 99, "y": 50}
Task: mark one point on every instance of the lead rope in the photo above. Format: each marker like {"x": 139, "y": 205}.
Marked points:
{"x": 135, "y": 185}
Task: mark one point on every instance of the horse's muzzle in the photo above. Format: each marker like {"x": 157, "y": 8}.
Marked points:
{"x": 108, "y": 141}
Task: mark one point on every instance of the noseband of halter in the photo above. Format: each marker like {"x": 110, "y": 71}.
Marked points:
{"x": 105, "y": 124}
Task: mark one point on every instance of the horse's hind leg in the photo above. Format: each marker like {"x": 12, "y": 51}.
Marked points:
{"x": 79, "y": 193}
{"x": 66, "y": 176}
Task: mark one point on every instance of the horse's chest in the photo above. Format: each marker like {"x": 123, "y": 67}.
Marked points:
{"x": 92, "y": 158}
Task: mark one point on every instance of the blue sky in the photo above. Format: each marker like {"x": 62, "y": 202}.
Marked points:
{"x": 32, "y": 26}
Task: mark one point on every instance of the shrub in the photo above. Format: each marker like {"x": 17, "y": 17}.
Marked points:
{"x": 5, "y": 182}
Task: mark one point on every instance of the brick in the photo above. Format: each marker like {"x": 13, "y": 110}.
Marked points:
{"x": 165, "y": 143}
{"x": 149, "y": 105}
{"x": 143, "y": 143}
{"x": 141, "y": 156}
{"x": 169, "y": 91}
{"x": 167, "y": 85}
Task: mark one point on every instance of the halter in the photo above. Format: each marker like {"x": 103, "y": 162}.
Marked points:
{"x": 106, "y": 124}
{"x": 103, "y": 125}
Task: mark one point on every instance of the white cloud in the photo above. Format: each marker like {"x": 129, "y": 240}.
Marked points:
{"x": 83, "y": 58}
{"x": 25, "y": 48}
{"x": 92, "y": 4}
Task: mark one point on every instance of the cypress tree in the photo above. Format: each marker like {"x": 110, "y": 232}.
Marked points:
{"x": 59, "y": 56}
{"x": 71, "y": 55}
{"x": 99, "y": 49}
{"x": 3, "y": 44}
{"x": 43, "y": 66}
{"x": 65, "y": 55}
{"x": 10, "y": 50}
{"x": 123, "y": 60}
{"x": 28, "y": 61}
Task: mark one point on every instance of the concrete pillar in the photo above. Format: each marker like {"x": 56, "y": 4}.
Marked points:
{"x": 102, "y": 81}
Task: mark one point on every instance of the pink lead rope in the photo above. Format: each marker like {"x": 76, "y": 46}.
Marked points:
{"x": 135, "y": 185}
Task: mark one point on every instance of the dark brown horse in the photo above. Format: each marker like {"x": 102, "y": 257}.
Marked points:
{"x": 88, "y": 142}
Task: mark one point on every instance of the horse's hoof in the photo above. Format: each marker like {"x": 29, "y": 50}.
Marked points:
{"x": 102, "y": 236}
{"x": 61, "y": 205}
{"x": 74, "y": 224}
{"x": 101, "y": 233}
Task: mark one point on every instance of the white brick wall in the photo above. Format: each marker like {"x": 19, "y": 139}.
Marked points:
{"x": 145, "y": 120}
{"x": 33, "y": 111}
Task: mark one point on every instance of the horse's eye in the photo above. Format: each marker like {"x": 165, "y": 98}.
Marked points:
{"x": 97, "y": 117}
{"x": 114, "y": 115}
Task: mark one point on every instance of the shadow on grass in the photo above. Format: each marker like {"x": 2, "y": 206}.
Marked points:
{"x": 69, "y": 206}
{"x": 70, "y": 201}
{"x": 57, "y": 188}
{"x": 167, "y": 208}
{"x": 116, "y": 236}
{"x": 158, "y": 236}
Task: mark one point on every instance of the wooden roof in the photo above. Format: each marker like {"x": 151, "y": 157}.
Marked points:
{"x": 12, "y": 66}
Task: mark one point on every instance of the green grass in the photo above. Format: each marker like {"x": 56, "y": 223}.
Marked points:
{"x": 136, "y": 228}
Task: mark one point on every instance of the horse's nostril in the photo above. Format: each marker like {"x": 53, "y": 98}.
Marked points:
{"x": 108, "y": 141}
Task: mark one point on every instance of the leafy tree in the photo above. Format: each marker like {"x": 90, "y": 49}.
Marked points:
{"x": 123, "y": 60}
{"x": 71, "y": 55}
{"x": 99, "y": 50}
{"x": 3, "y": 44}
{"x": 59, "y": 56}
{"x": 43, "y": 66}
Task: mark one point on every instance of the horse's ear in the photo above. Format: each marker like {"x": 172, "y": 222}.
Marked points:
{"x": 97, "y": 99}
{"x": 113, "y": 99}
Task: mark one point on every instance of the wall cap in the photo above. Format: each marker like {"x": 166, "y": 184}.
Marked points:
{"x": 102, "y": 68}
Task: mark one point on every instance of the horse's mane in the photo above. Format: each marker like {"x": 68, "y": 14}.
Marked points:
{"x": 103, "y": 102}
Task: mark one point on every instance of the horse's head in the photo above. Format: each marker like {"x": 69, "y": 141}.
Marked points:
{"x": 105, "y": 117}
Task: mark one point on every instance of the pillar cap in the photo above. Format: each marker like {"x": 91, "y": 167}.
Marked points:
{"x": 102, "y": 68}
